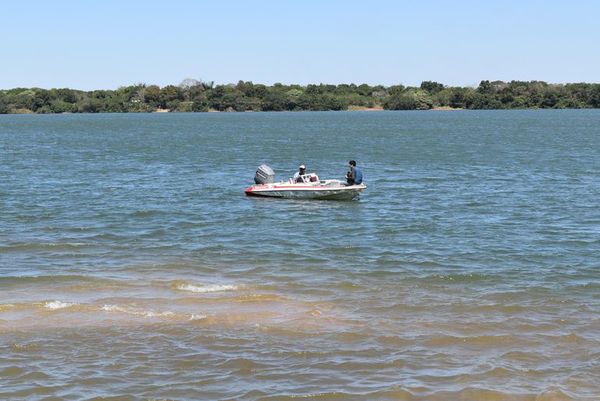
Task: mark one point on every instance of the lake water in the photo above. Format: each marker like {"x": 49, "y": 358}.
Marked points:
{"x": 132, "y": 266}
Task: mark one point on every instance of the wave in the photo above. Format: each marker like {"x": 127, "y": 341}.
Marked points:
{"x": 259, "y": 298}
{"x": 48, "y": 305}
{"x": 25, "y": 347}
{"x": 401, "y": 394}
{"x": 148, "y": 213}
{"x": 569, "y": 338}
{"x": 473, "y": 393}
{"x": 53, "y": 305}
{"x": 482, "y": 340}
{"x": 457, "y": 277}
{"x": 10, "y": 371}
{"x": 33, "y": 246}
{"x": 192, "y": 317}
{"x": 56, "y": 305}
{"x": 52, "y": 278}
{"x": 136, "y": 312}
{"x": 205, "y": 288}
{"x": 398, "y": 395}
{"x": 243, "y": 365}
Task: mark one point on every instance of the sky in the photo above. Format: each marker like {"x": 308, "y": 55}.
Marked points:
{"x": 107, "y": 44}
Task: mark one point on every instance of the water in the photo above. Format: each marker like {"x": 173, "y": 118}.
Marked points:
{"x": 132, "y": 265}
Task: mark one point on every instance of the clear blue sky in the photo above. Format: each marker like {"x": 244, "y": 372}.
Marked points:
{"x": 106, "y": 44}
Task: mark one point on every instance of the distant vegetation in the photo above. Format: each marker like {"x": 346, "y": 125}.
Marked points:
{"x": 194, "y": 95}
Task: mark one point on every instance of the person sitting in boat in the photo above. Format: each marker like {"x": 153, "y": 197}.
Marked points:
{"x": 355, "y": 175}
{"x": 299, "y": 176}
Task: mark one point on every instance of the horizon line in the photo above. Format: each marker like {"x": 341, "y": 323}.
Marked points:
{"x": 298, "y": 84}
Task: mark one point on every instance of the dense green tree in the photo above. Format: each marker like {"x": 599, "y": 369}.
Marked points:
{"x": 400, "y": 101}
{"x": 247, "y": 88}
{"x": 478, "y": 100}
{"x": 196, "y": 95}
{"x": 4, "y": 107}
{"x": 89, "y": 105}
{"x": 364, "y": 90}
{"x": 168, "y": 95}
{"x": 23, "y": 99}
{"x": 411, "y": 99}
{"x": 431, "y": 86}
{"x": 200, "y": 105}
{"x": 485, "y": 87}
{"x": 60, "y": 106}
{"x": 457, "y": 98}
{"x": 65, "y": 94}
{"x": 396, "y": 90}
{"x": 275, "y": 100}
{"x": 151, "y": 96}
{"x": 594, "y": 96}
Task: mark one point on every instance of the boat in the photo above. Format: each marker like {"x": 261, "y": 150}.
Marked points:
{"x": 308, "y": 187}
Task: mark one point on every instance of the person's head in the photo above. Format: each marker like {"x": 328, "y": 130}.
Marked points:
{"x": 352, "y": 163}
{"x": 302, "y": 169}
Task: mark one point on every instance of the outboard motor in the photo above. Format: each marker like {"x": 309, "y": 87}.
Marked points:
{"x": 264, "y": 175}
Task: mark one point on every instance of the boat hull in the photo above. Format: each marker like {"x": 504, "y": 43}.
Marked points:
{"x": 306, "y": 192}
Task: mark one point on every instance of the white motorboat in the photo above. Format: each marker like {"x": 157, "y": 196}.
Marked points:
{"x": 308, "y": 187}
{"x": 323, "y": 189}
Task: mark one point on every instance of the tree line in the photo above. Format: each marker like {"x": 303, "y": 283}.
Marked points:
{"x": 197, "y": 96}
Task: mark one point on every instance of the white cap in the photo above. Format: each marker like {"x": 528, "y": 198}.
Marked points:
{"x": 302, "y": 166}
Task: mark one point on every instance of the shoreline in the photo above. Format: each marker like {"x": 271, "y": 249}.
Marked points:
{"x": 448, "y": 108}
{"x": 350, "y": 109}
{"x": 364, "y": 108}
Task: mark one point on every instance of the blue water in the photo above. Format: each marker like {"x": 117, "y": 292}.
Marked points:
{"x": 467, "y": 269}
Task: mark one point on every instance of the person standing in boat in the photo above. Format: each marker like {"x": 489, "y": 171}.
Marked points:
{"x": 298, "y": 177}
{"x": 355, "y": 175}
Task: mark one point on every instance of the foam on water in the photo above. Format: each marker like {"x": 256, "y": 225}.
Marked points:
{"x": 206, "y": 288}
{"x": 136, "y": 312}
{"x": 58, "y": 305}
